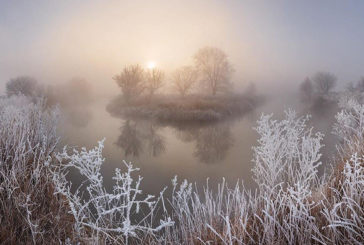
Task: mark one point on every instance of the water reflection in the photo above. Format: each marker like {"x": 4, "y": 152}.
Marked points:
{"x": 130, "y": 139}
{"x": 136, "y": 136}
{"x": 211, "y": 142}
{"x": 155, "y": 140}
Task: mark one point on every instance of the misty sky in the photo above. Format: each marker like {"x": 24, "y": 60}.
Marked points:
{"x": 269, "y": 42}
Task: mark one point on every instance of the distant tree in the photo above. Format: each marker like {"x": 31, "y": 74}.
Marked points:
{"x": 350, "y": 87}
{"x": 324, "y": 82}
{"x": 24, "y": 85}
{"x": 356, "y": 90}
{"x": 154, "y": 80}
{"x": 306, "y": 90}
{"x": 360, "y": 85}
{"x": 184, "y": 79}
{"x": 131, "y": 81}
{"x": 356, "y": 87}
{"x": 214, "y": 68}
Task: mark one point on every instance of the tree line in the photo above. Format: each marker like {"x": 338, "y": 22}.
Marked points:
{"x": 212, "y": 71}
{"x": 322, "y": 84}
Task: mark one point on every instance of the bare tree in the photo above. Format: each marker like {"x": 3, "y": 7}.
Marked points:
{"x": 184, "y": 79}
{"x": 360, "y": 85}
{"x": 356, "y": 90}
{"x": 214, "y": 68}
{"x": 131, "y": 81}
{"x": 324, "y": 82}
{"x": 357, "y": 87}
{"x": 22, "y": 85}
{"x": 306, "y": 90}
{"x": 154, "y": 80}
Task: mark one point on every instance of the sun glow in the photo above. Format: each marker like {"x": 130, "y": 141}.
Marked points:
{"x": 151, "y": 65}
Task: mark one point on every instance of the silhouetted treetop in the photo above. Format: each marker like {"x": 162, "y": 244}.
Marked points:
{"x": 24, "y": 85}
{"x": 214, "y": 68}
{"x": 324, "y": 82}
{"x": 131, "y": 81}
{"x": 184, "y": 79}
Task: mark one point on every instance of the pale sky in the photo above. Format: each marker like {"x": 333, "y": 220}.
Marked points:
{"x": 270, "y": 43}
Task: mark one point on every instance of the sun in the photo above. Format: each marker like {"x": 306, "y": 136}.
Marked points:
{"x": 151, "y": 65}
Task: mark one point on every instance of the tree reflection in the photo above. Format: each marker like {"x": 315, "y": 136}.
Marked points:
{"x": 212, "y": 142}
{"x": 135, "y": 137}
{"x": 155, "y": 141}
{"x": 130, "y": 139}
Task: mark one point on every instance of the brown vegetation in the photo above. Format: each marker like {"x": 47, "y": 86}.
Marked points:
{"x": 191, "y": 108}
{"x": 31, "y": 212}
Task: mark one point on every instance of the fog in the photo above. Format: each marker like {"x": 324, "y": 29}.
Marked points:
{"x": 270, "y": 44}
{"x": 181, "y": 121}
{"x": 273, "y": 45}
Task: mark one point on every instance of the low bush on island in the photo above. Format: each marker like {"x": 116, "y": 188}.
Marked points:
{"x": 191, "y": 108}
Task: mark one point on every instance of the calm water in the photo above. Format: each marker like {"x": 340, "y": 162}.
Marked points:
{"x": 161, "y": 152}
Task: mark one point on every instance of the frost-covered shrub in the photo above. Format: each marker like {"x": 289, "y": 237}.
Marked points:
{"x": 285, "y": 170}
{"x": 123, "y": 215}
{"x": 344, "y": 207}
{"x": 30, "y": 212}
{"x": 292, "y": 205}
{"x": 349, "y": 126}
{"x": 36, "y": 202}
{"x": 208, "y": 216}
{"x": 288, "y": 152}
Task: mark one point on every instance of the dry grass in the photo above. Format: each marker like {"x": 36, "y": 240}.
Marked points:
{"x": 328, "y": 211}
{"x": 30, "y": 211}
{"x": 314, "y": 211}
{"x": 238, "y": 217}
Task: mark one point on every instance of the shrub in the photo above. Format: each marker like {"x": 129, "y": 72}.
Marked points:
{"x": 30, "y": 211}
{"x": 107, "y": 217}
{"x": 23, "y": 85}
{"x": 292, "y": 205}
{"x": 189, "y": 109}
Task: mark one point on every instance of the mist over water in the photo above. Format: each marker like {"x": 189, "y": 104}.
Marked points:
{"x": 192, "y": 152}
{"x": 181, "y": 122}
{"x": 274, "y": 46}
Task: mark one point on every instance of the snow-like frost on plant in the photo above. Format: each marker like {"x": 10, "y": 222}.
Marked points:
{"x": 345, "y": 212}
{"x": 349, "y": 126}
{"x": 288, "y": 153}
{"x": 113, "y": 216}
{"x": 28, "y": 139}
{"x": 292, "y": 205}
